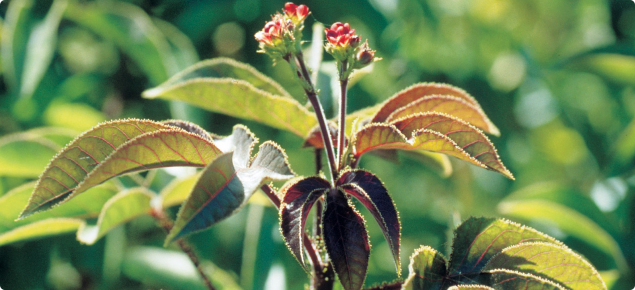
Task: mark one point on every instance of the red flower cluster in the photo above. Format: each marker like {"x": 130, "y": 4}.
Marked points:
{"x": 273, "y": 30}
{"x": 296, "y": 13}
{"x": 342, "y": 35}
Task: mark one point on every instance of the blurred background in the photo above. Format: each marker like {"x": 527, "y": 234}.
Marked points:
{"x": 556, "y": 76}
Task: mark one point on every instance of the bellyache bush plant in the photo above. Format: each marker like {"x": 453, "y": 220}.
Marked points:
{"x": 426, "y": 119}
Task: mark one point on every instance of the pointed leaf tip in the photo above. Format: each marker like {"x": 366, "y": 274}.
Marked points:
{"x": 370, "y": 191}
{"x": 346, "y": 241}
{"x": 71, "y": 165}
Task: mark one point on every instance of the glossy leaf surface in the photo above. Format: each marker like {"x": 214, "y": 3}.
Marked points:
{"x": 72, "y": 165}
{"x": 383, "y": 136}
{"x": 548, "y": 261}
{"x": 297, "y": 201}
{"x": 419, "y": 91}
{"x": 346, "y": 241}
{"x": 227, "y": 183}
{"x": 238, "y": 90}
{"x": 120, "y": 209}
{"x": 427, "y": 270}
{"x": 450, "y": 105}
{"x": 477, "y": 240}
{"x": 370, "y": 191}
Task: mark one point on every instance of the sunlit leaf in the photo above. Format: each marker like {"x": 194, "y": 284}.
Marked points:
{"x": 120, "y": 209}
{"x": 314, "y": 138}
{"x": 506, "y": 279}
{"x": 346, "y": 241}
{"x": 40, "y": 229}
{"x": 569, "y": 221}
{"x": 479, "y": 239}
{"x": 427, "y": 270}
{"x": 228, "y": 87}
{"x": 549, "y": 261}
{"x": 474, "y": 147}
{"x": 227, "y": 183}
{"x": 177, "y": 190}
{"x": 189, "y": 127}
{"x": 76, "y": 116}
{"x": 450, "y": 105}
{"x": 438, "y": 162}
{"x": 370, "y": 191}
{"x": 470, "y": 139}
{"x": 40, "y": 48}
{"x": 80, "y": 157}
{"x": 87, "y": 205}
{"x": 158, "y": 149}
{"x": 129, "y": 27}
{"x": 420, "y": 91}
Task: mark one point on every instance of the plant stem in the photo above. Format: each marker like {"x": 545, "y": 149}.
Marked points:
{"x": 319, "y": 113}
{"x": 167, "y": 224}
{"x": 341, "y": 139}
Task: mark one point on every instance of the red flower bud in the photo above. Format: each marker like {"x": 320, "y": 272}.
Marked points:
{"x": 295, "y": 12}
{"x": 341, "y": 34}
{"x": 273, "y": 30}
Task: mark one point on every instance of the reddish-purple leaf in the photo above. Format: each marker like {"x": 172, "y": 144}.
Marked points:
{"x": 297, "y": 201}
{"x": 453, "y": 106}
{"x": 69, "y": 167}
{"x": 314, "y": 139}
{"x": 346, "y": 240}
{"x": 370, "y": 191}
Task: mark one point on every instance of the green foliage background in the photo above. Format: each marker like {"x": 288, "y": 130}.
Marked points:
{"x": 556, "y": 76}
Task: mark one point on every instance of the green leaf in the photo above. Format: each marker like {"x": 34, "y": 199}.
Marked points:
{"x": 181, "y": 46}
{"x": 87, "y": 205}
{"x": 129, "y": 27}
{"x": 427, "y": 270}
{"x": 569, "y": 221}
{"x": 177, "y": 190}
{"x": 346, "y": 241}
{"x": 625, "y": 146}
{"x": 40, "y": 229}
{"x": 370, "y": 191}
{"x": 298, "y": 199}
{"x": 80, "y": 157}
{"x": 456, "y": 139}
{"x": 477, "y": 240}
{"x": 123, "y": 207}
{"x": 164, "y": 148}
{"x": 40, "y": 48}
{"x": 15, "y": 34}
{"x": 235, "y": 89}
{"x": 227, "y": 183}
{"x": 505, "y": 279}
{"x": 413, "y": 95}
{"x": 25, "y": 154}
{"x": 549, "y": 261}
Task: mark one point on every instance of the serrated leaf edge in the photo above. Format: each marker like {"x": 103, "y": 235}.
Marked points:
{"x": 527, "y": 275}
